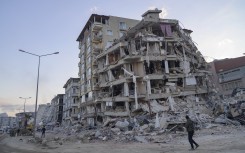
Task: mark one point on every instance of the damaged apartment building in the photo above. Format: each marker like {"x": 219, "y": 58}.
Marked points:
{"x": 128, "y": 66}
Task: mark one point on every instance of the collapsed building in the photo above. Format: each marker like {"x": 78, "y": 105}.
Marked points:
{"x": 153, "y": 67}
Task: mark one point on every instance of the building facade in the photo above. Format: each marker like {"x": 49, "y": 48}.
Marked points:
{"x": 98, "y": 34}
{"x": 46, "y": 114}
{"x": 57, "y": 102}
{"x": 71, "y": 101}
{"x": 228, "y": 74}
{"x": 7, "y": 122}
{"x": 154, "y": 62}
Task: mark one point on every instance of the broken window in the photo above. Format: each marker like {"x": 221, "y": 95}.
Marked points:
{"x": 150, "y": 69}
{"x": 122, "y": 25}
{"x": 121, "y": 34}
{"x": 89, "y": 72}
{"x": 108, "y": 44}
{"x": 180, "y": 82}
{"x": 163, "y": 66}
{"x": 120, "y": 106}
{"x": 117, "y": 90}
{"x": 126, "y": 51}
{"x": 117, "y": 73}
{"x": 88, "y": 41}
{"x": 137, "y": 44}
{"x": 114, "y": 57}
{"x": 109, "y": 32}
{"x": 131, "y": 87}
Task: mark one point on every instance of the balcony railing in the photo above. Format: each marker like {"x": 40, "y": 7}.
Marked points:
{"x": 97, "y": 26}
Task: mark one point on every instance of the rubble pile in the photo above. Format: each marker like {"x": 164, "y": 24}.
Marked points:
{"x": 158, "y": 125}
{"x": 230, "y": 110}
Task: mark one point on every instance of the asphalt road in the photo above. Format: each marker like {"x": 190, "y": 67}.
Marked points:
{"x": 6, "y": 149}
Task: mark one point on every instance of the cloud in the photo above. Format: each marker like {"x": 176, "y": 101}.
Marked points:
{"x": 164, "y": 12}
{"x": 12, "y": 109}
{"x": 94, "y": 10}
{"x": 225, "y": 42}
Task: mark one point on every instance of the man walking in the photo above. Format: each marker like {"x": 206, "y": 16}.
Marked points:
{"x": 190, "y": 129}
{"x": 43, "y": 132}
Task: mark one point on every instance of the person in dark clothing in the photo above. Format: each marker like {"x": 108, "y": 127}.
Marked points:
{"x": 190, "y": 129}
{"x": 18, "y": 132}
{"x": 43, "y": 132}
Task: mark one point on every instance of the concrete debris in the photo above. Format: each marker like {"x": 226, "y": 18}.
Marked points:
{"x": 141, "y": 139}
{"x": 129, "y": 132}
{"x": 224, "y": 120}
{"x": 44, "y": 142}
{"x": 31, "y": 140}
{"x": 104, "y": 138}
{"x": 155, "y": 107}
{"x": 115, "y": 130}
{"x": 145, "y": 126}
{"x": 157, "y": 122}
{"x": 122, "y": 125}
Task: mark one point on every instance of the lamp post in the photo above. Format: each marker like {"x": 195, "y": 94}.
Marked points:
{"x": 39, "y": 58}
{"x": 25, "y": 102}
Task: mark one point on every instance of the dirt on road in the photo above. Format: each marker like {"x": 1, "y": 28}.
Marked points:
{"x": 225, "y": 140}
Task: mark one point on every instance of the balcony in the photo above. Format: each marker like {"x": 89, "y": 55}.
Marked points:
{"x": 97, "y": 38}
{"x": 74, "y": 105}
{"x": 95, "y": 72}
{"x": 95, "y": 86}
{"x": 97, "y": 26}
{"x": 115, "y": 113}
{"x": 97, "y": 48}
{"x": 75, "y": 94}
{"x": 94, "y": 63}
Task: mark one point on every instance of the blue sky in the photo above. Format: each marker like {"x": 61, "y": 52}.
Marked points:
{"x": 49, "y": 26}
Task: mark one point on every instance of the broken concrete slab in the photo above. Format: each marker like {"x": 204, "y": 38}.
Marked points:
{"x": 140, "y": 139}
{"x": 123, "y": 125}
{"x": 115, "y": 130}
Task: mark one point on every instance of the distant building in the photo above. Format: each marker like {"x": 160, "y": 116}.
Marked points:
{"x": 7, "y": 122}
{"x": 3, "y": 115}
{"x": 71, "y": 101}
{"x": 228, "y": 74}
{"x": 21, "y": 118}
{"x": 46, "y": 114}
{"x": 57, "y": 102}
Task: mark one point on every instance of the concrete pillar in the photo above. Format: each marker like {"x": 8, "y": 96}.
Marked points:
{"x": 127, "y": 107}
{"x": 126, "y": 90}
{"x": 166, "y": 66}
{"x": 102, "y": 106}
{"x": 148, "y": 87}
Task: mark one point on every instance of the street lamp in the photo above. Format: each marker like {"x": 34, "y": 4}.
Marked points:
{"x": 25, "y": 102}
{"x": 39, "y": 57}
